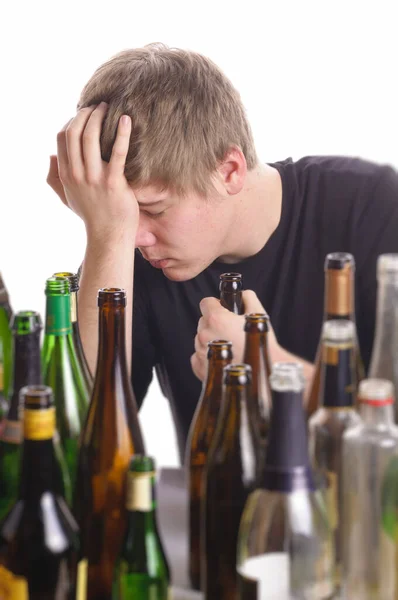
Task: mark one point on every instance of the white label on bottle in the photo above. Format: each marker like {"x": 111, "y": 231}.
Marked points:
{"x": 271, "y": 571}
{"x": 139, "y": 491}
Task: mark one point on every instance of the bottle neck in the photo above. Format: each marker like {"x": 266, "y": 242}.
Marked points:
{"x": 26, "y": 368}
{"x": 377, "y": 417}
{"x": 339, "y": 294}
{"x": 338, "y": 379}
{"x": 38, "y": 473}
{"x": 112, "y": 342}
{"x": 286, "y": 471}
{"x": 58, "y": 315}
{"x": 141, "y": 500}
{"x": 214, "y": 379}
{"x": 232, "y": 301}
{"x": 386, "y": 332}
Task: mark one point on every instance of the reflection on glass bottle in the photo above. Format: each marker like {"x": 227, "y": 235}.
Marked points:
{"x": 231, "y": 292}
{"x": 230, "y": 475}
{"x": 336, "y": 414}
{"x": 285, "y": 548}
{"x": 74, "y": 317}
{"x": 141, "y": 571}
{"x": 369, "y": 571}
{"x": 200, "y": 436}
{"x": 61, "y": 370}
{"x": 110, "y": 437}
{"x": 39, "y": 536}
{"x": 384, "y": 361}
{"x": 339, "y": 303}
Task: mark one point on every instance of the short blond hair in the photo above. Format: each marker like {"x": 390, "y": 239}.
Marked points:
{"x": 185, "y": 112}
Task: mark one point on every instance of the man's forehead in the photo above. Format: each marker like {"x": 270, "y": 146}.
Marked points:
{"x": 151, "y": 194}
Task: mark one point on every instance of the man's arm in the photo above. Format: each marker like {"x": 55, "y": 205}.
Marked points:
{"x": 99, "y": 193}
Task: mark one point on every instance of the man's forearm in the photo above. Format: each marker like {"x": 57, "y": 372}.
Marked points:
{"x": 106, "y": 264}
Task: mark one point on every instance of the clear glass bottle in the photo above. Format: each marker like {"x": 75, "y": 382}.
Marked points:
{"x": 285, "y": 548}
{"x": 369, "y": 569}
{"x": 142, "y": 570}
{"x": 201, "y": 433}
{"x": 74, "y": 317}
{"x": 231, "y": 292}
{"x": 384, "y": 360}
{"x": 336, "y": 414}
{"x": 230, "y": 475}
{"x": 339, "y": 303}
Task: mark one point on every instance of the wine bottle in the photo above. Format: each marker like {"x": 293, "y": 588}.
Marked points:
{"x": 201, "y": 433}
{"x": 110, "y": 437}
{"x": 142, "y": 570}
{"x": 39, "y": 537}
{"x": 5, "y": 350}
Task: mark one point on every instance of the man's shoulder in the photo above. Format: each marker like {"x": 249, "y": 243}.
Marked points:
{"x": 339, "y": 166}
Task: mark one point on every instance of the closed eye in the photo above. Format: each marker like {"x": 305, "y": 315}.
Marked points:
{"x": 153, "y": 215}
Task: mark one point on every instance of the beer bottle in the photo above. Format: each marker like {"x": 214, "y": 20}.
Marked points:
{"x": 39, "y": 536}
{"x": 110, "y": 437}
{"x": 26, "y": 327}
{"x": 339, "y": 303}
{"x": 285, "y": 547}
{"x": 369, "y": 549}
{"x": 141, "y": 571}
{"x": 5, "y": 350}
{"x": 231, "y": 292}
{"x": 74, "y": 317}
{"x": 328, "y": 424}
{"x": 230, "y": 475}
{"x": 256, "y": 355}
{"x": 384, "y": 360}
{"x": 61, "y": 370}
{"x": 200, "y": 436}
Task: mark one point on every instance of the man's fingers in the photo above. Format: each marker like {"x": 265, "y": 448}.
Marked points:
{"x": 197, "y": 367}
{"x": 90, "y": 141}
{"x": 54, "y": 181}
{"x": 251, "y": 302}
{"x": 120, "y": 149}
{"x": 209, "y": 305}
{"x": 74, "y": 142}
{"x": 62, "y": 151}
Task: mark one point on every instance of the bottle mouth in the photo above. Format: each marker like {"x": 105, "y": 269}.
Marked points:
{"x": 339, "y": 260}
{"x": 287, "y": 377}
{"x": 57, "y": 286}
{"x": 36, "y": 396}
{"x": 112, "y": 295}
{"x": 387, "y": 264}
{"x": 72, "y": 277}
{"x": 237, "y": 373}
{"x": 26, "y": 321}
{"x": 142, "y": 464}
{"x": 376, "y": 392}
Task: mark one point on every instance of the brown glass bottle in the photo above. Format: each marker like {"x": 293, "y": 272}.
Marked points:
{"x": 256, "y": 355}
{"x": 74, "y": 317}
{"x": 200, "y": 436}
{"x": 339, "y": 303}
{"x": 230, "y": 475}
{"x": 110, "y": 437}
{"x": 231, "y": 292}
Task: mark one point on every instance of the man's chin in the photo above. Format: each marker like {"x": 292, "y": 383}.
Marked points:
{"x": 179, "y": 273}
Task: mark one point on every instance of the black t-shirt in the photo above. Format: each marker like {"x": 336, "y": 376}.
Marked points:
{"x": 329, "y": 204}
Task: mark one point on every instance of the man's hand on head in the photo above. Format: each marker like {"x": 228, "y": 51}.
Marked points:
{"x": 217, "y": 322}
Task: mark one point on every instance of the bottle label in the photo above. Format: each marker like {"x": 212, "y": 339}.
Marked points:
{"x": 39, "y": 424}
{"x": 81, "y": 582}
{"x": 338, "y": 383}
{"x": 265, "y": 577}
{"x": 1, "y": 377}
{"x": 73, "y": 307}
{"x": 340, "y": 292}
{"x": 12, "y": 587}
{"x": 12, "y": 432}
{"x": 58, "y": 315}
{"x": 139, "y": 491}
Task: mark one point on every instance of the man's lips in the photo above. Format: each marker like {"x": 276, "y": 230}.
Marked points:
{"x": 159, "y": 264}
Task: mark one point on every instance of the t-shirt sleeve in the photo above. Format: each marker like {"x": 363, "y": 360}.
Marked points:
{"x": 375, "y": 232}
{"x": 143, "y": 346}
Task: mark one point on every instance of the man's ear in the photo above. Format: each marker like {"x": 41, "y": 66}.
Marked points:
{"x": 232, "y": 170}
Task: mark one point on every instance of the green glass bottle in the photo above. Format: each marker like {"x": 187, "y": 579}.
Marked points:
{"x": 74, "y": 317}
{"x": 26, "y": 327}
{"x": 5, "y": 349}
{"x": 61, "y": 370}
{"x": 141, "y": 571}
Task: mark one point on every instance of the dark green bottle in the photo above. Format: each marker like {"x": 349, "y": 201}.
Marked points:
{"x": 61, "y": 370}
{"x": 5, "y": 349}
{"x": 74, "y": 317}
{"x": 141, "y": 571}
{"x": 26, "y": 327}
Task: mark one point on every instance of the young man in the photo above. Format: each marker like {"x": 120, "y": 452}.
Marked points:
{"x": 160, "y": 157}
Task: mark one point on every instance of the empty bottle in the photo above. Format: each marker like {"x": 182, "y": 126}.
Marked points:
{"x": 231, "y": 292}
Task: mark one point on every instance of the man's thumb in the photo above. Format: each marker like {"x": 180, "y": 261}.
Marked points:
{"x": 251, "y": 302}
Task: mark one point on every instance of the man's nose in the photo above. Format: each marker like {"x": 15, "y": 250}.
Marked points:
{"x": 144, "y": 238}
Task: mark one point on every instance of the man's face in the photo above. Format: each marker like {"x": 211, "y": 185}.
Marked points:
{"x": 183, "y": 236}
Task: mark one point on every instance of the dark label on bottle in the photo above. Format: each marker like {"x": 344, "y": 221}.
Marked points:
{"x": 58, "y": 315}
{"x": 338, "y": 383}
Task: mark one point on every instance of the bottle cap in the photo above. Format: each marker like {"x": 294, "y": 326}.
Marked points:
{"x": 287, "y": 377}
{"x": 26, "y": 321}
{"x": 142, "y": 464}
{"x": 338, "y": 330}
{"x": 387, "y": 264}
{"x": 339, "y": 260}
{"x": 377, "y": 392}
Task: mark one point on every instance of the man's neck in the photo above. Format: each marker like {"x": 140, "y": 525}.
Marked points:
{"x": 257, "y": 215}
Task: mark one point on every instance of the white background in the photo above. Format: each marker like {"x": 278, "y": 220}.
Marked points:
{"x": 316, "y": 78}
